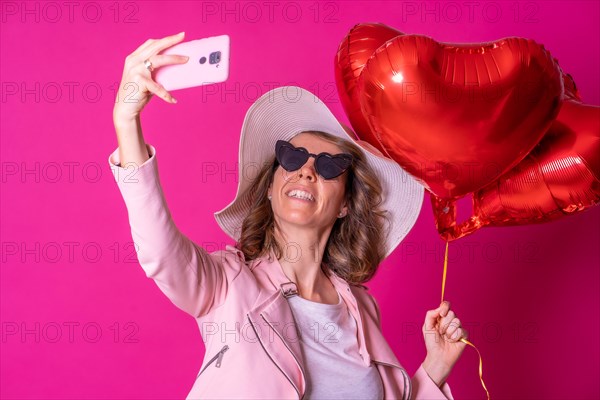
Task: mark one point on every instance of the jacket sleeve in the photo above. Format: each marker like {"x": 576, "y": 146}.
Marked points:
{"x": 194, "y": 280}
{"x": 423, "y": 387}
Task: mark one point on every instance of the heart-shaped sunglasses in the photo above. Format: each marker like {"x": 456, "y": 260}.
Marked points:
{"x": 327, "y": 165}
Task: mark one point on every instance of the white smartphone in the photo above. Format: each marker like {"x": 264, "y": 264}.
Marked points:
{"x": 208, "y": 63}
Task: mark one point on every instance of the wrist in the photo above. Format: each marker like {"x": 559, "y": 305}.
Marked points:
{"x": 437, "y": 371}
{"x": 124, "y": 119}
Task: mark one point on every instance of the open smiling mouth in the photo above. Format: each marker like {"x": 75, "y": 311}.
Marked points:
{"x": 300, "y": 195}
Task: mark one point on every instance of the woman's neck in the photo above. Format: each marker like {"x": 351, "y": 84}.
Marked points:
{"x": 301, "y": 261}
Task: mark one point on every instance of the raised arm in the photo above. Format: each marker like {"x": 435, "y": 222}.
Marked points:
{"x": 191, "y": 278}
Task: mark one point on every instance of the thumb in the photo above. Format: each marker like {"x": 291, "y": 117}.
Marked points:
{"x": 431, "y": 318}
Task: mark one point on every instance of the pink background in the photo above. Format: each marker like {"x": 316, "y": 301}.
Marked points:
{"x": 529, "y": 296}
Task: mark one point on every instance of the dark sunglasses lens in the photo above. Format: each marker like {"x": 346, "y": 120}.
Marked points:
{"x": 291, "y": 159}
{"x": 331, "y": 167}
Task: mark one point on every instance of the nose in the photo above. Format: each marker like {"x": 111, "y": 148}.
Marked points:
{"x": 308, "y": 170}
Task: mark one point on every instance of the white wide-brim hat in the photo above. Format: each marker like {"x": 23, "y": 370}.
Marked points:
{"x": 288, "y": 110}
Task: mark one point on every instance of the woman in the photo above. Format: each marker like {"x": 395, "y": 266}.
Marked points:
{"x": 284, "y": 314}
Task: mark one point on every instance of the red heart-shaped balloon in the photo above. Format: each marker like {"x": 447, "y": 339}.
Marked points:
{"x": 458, "y": 116}
{"x": 560, "y": 177}
{"x": 352, "y": 55}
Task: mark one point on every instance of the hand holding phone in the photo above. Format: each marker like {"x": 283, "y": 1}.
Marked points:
{"x": 137, "y": 84}
{"x": 208, "y": 63}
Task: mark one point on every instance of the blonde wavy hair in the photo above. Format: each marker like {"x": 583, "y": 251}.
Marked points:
{"x": 355, "y": 247}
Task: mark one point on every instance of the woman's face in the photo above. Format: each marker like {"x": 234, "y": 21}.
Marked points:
{"x": 327, "y": 196}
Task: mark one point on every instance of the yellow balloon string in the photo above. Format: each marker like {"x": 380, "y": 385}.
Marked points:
{"x": 463, "y": 339}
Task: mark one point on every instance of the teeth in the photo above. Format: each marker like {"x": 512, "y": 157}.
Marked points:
{"x": 301, "y": 195}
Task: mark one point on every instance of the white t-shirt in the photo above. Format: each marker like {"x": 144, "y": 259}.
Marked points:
{"x": 329, "y": 342}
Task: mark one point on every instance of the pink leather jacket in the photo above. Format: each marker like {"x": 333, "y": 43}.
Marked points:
{"x": 252, "y": 350}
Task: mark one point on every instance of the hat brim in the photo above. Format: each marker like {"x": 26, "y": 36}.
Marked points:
{"x": 286, "y": 111}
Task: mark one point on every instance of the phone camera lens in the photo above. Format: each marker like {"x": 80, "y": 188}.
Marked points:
{"x": 215, "y": 57}
{"x": 202, "y": 60}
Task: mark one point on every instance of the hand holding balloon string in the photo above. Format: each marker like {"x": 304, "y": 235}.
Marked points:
{"x": 444, "y": 336}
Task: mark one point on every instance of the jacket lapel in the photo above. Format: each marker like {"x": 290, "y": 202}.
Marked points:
{"x": 372, "y": 343}
{"x": 374, "y": 347}
{"x": 274, "y": 323}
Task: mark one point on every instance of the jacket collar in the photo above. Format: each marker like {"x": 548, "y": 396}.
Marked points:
{"x": 371, "y": 342}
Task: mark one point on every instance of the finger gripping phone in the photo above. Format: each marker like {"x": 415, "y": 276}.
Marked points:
{"x": 208, "y": 63}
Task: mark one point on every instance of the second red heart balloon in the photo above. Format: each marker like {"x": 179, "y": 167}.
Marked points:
{"x": 352, "y": 55}
{"x": 560, "y": 177}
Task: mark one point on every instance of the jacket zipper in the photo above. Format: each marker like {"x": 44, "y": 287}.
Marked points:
{"x": 290, "y": 350}
{"x": 218, "y": 357}
{"x": 404, "y": 374}
{"x": 277, "y": 365}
